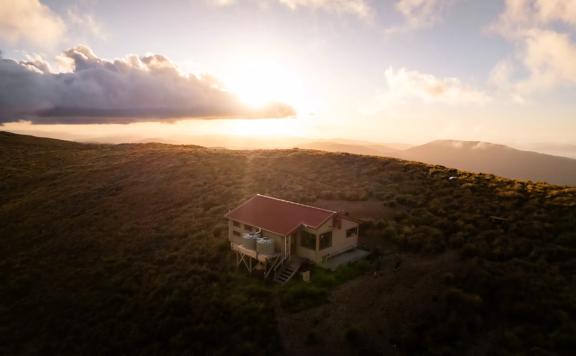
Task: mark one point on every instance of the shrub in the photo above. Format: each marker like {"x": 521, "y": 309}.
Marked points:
{"x": 353, "y": 336}
{"x": 312, "y": 338}
{"x": 299, "y": 295}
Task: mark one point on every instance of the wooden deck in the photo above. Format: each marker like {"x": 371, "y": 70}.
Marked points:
{"x": 246, "y": 256}
{"x": 261, "y": 257}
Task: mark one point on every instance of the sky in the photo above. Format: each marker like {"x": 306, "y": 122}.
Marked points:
{"x": 407, "y": 71}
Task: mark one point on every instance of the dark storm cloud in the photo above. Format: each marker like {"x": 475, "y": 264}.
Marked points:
{"x": 134, "y": 89}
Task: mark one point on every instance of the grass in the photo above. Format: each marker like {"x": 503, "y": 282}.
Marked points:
{"x": 120, "y": 249}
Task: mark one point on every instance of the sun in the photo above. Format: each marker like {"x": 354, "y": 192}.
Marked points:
{"x": 259, "y": 81}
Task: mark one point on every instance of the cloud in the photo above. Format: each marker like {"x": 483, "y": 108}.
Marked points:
{"x": 544, "y": 55}
{"x": 29, "y": 21}
{"x": 355, "y": 7}
{"x": 419, "y": 14}
{"x": 550, "y": 58}
{"x": 501, "y": 78}
{"x": 85, "y": 22}
{"x": 406, "y": 85}
{"x": 133, "y": 89}
{"x": 359, "y": 8}
{"x": 520, "y": 16}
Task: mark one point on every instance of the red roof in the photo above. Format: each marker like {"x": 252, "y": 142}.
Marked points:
{"x": 277, "y": 215}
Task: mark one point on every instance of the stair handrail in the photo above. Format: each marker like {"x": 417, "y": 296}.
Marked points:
{"x": 279, "y": 263}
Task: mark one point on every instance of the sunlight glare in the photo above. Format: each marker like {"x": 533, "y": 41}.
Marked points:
{"x": 259, "y": 81}
{"x": 265, "y": 127}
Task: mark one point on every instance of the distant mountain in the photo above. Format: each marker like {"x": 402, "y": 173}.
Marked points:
{"x": 386, "y": 146}
{"x": 392, "y": 145}
{"x": 360, "y": 149}
{"x": 475, "y": 156}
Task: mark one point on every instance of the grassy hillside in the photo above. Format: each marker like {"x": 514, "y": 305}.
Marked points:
{"x": 120, "y": 249}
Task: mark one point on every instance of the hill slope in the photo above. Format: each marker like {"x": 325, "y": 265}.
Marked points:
{"x": 500, "y": 160}
{"x": 121, "y": 249}
{"x": 472, "y": 156}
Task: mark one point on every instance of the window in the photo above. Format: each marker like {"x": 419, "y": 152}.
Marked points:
{"x": 308, "y": 240}
{"x": 235, "y": 233}
{"x": 326, "y": 240}
{"x": 236, "y": 223}
{"x": 352, "y": 232}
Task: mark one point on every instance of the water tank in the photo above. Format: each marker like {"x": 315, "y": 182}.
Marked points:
{"x": 265, "y": 246}
{"x": 249, "y": 241}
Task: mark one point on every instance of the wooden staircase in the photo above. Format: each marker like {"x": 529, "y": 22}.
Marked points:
{"x": 288, "y": 270}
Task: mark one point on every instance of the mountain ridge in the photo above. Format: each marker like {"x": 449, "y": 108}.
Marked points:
{"x": 501, "y": 160}
{"x": 473, "y": 156}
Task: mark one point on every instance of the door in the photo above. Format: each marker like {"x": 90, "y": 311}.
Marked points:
{"x": 293, "y": 240}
